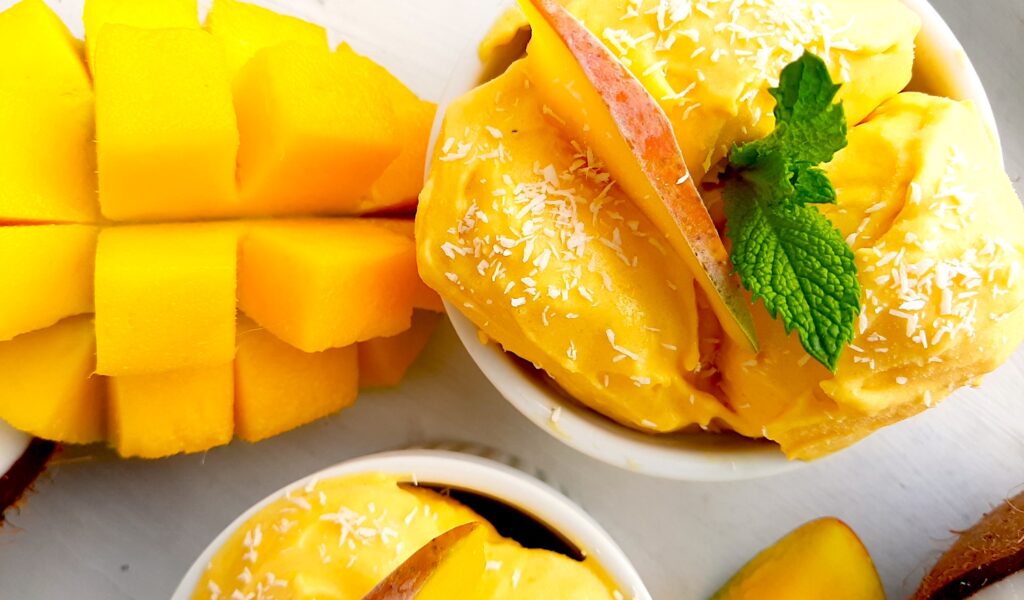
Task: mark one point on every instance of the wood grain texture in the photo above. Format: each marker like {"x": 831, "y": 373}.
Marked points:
{"x": 112, "y": 530}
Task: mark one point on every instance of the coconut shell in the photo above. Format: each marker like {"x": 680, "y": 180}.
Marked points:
{"x": 990, "y": 551}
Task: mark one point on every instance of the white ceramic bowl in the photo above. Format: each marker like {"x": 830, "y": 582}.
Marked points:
{"x": 942, "y": 68}
{"x": 473, "y": 474}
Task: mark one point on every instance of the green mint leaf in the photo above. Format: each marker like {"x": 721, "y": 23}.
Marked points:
{"x": 784, "y": 250}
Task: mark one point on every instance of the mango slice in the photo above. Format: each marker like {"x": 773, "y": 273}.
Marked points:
{"x": 278, "y": 388}
{"x": 384, "y": 361}
{"x": 46, "y": 120}
{"x": 423, "y": 296}
{"x": 48, "y": 270}
{"x": 316, "y": 130}
{"x": 449, "y": 566}
{"x": 165, "y": 297}
{"x": 150, "y": 14}
{"x": 167, "y": 139}
{"x": 163, "y": 414}
{"x": 322, "y": 284}
{"x": 246, "y": 29}
{"x": 49, "y": 388}
{"x": 822, "y": 559}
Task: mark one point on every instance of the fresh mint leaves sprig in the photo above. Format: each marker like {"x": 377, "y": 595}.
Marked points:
{"x": 785, "y": 251}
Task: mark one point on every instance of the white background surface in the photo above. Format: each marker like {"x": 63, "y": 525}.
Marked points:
{"x": 106, "y": 529}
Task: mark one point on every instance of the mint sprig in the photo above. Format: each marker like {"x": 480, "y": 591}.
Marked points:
{"x": 785, "y": 251}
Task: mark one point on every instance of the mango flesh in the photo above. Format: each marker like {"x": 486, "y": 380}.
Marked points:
{"x": 278, "y": 388}
{"x": 167, "y": 139}
{"x": 46, "y": 120}
{"x": 50, "y": 389}
{"x": 246, "y": 29}
{"x": 165, "y": 297}
{"x": 327, "y": 284}
{"x": 316, "y": 130}
{"x": 51, "y": 269}
{"x": 150, "y": 14}
{"x": 384, "y": 361}
{"x": 423, "y": 296}
{"x": 162, "y": 414}
{"x": 822, "y": 559}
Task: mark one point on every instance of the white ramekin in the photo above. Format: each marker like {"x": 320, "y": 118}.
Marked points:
{"x": 942, "y": 68}
{"x": 13, "y": 444}
{"x": 473, "y": 474}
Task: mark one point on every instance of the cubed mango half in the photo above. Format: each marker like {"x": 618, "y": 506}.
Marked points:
{"x": 383, "y": 362}
{"x": 316, "y": 131}
{"x": 279, "y": 388}
{"x": 167, "y": 139}
{"x": 246, "y": 29}
{"x": 47, "y": 271}
{"x": 150, "y": 14}
{"x": 163, "y": 414}
{"x": 323, "y": 284}
{"x": 165, "y": 297}
{"x": 38, "y": 52}
{"x": 49, "y": 388}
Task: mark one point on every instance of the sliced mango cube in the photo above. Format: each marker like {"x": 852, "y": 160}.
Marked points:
{"x": 167, "y": 140}
{"x": 46, "y": 121}
{"x": 165, "y": 297}
{"x": 423, "y": 296}
{"x": 49, "y": 388}
{"x": 150, "y": 14}
{"x": 279, "y": 388}
{"x": 383, "y": 362}
{"x": 316, "y": 131}
{"x": 246, "y": 29}
{"x": 48, "y": 272}
{"x": 323, "y": 284}
{"x": 163, "y": 414}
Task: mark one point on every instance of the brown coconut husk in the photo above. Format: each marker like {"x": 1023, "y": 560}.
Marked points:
{"x": 990, "y": 551}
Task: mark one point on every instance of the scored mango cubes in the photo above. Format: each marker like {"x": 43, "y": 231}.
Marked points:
{"x": 384, "y": 361}
{"x": 316, "y": 131}
{"x": 47, "y": 158}
{"x": 137, "y": 13}
{"x": 327, "y": 283}
{"x": 165, "y": 297}
{"x": 246, "y": 29}
{"x": 47, "y": 271}
{"x": 162, "y": 414}
{"x": 167, "y": 139}
{"x": 49, "y": 389}
{"x": 279, "y": 388}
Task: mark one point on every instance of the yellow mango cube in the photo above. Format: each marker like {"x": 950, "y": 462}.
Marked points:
{"x": 46, "y": 121}
{"x": 165, "y": 297}
{"x": 279, "y": 388}
{"x": 167, "y": 140}
{"x": 47, "y": 272}
{"x": 423, "y": 296}
{"x": 150, "y": 14}
{"x": 316, "y": 131}
{"x": 162, "y": 414}
{"x": 327, "y": 284}
{"x": 383, "y": 362}
{"x": 49, "y": 389}
{"x": 246, "y": 29}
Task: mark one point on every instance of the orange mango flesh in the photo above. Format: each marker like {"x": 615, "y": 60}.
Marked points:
{"x": 296, "y": 279}
{"x": 423, "y": 296}
{"x": 167, "y": 139}
{"x": 602, "y": 104}
{"x": 246, "y": 29}
{"x": 48, "y": 272}
{"x": 46, "y": 120}
{"x": 822, "y": 559}
{"x": 278, "y": 388}
{"x": 162, "y": 414}
{"x": 148, "y": 14}
{"x": 165, "y": 297}
{"x": 314, "y": 152}
{"x": 384, "y": 361}
{"x": 49, "y": 388}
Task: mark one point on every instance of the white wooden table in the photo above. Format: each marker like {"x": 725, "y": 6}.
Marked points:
{"x": 107, "y": 529}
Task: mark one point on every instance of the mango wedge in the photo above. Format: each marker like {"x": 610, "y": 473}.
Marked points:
{"x": 604, "y": 105}
{"x": 822, "y": 559}
{"x": 450, "y": 566}
{"x": 384, "y": 361}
